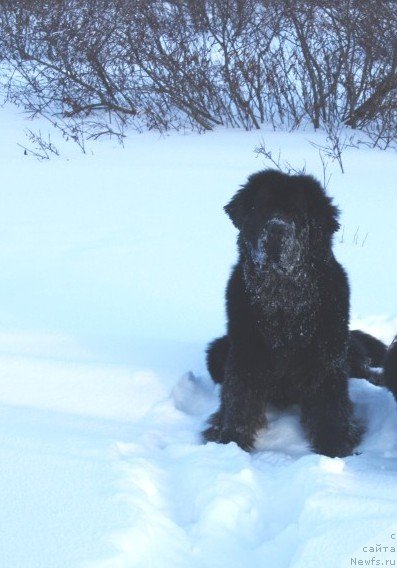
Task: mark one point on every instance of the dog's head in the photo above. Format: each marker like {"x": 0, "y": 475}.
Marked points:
{"x": 283, "y": 219}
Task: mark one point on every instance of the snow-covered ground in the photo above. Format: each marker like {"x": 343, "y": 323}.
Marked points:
{"x": 114, "y": 265}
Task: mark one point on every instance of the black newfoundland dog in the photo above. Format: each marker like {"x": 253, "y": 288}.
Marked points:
{"x": 288, "y": 340}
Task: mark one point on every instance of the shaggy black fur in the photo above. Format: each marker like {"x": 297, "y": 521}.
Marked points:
{"x": 288, "y": 311}
{"x": 364, "y": 353}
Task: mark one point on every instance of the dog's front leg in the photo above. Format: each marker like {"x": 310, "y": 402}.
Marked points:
{"x": 242, "y": 409}
{"x": 327, "y": 416}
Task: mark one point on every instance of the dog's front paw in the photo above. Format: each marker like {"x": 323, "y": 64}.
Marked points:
{"x": 241, "y": 437}
{"x": 220, "y": 435}
{"x": 212, "y": 433}
{"x": 340, "y": 443}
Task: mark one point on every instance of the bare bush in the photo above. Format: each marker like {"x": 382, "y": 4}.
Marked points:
{"x": 42, "y": 148}
{"x": 277, "y": 161}
{"x": 93, "y": 67}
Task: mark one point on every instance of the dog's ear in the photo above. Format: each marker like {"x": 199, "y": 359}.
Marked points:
{"x": 322, "y": 211}
{"x": 333, "y": 224}
{"x": 325, "y": 223}
{"x": 329, "y": 217}
{"x": 238, "y": 207}
{"x": 243, "y": 202}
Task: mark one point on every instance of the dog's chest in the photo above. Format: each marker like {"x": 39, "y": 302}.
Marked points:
{"x": 286, "y": 311}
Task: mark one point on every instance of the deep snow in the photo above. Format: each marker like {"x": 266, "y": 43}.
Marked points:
{"x": 114, "y": 265}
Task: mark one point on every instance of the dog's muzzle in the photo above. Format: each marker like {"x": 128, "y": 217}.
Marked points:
{"x": 274, "y": 244}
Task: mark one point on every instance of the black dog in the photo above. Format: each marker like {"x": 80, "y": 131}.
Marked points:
{"x": 288, "y": 312}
